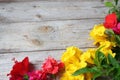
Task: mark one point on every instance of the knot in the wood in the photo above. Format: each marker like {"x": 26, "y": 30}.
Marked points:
{"x": 45, "y": 29}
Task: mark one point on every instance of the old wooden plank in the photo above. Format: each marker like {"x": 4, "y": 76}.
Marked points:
{"x": 48, "y": 0}
{"x": 55, "y": 10}
{"x": 49, "y": 35}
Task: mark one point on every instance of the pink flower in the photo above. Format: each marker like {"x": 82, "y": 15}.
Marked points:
{"x": 37, "y": 75}
{"x": 117, "y": 29}
{"x": 51, "y": 66}
{"x": 118, "y": 26}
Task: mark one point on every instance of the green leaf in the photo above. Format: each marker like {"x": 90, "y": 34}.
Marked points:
{"x": 109, "y": 4}
{"x": 113, "y": 61}
{"x": 113, "y": 10}
{"x": 110, "y": 70}
{"x": 81, "y": 71}
{"x": 117, "y": 39}
{"x": 85, "y": 70}
{"x": 99, "y": 57}
{"x": 109, "y": 32}
{"x": 105, "y": 65}
{"x": 104, "y": 62}
{"x": 96, "y": 61}
{"x": 116, "y": 2}
{"x": 26, "y": 77}
{"x": 96, "y": 75}
{"x": 118, "y": 72}
{"x": 118, "y": 16}
{"x": 117, "y": 51}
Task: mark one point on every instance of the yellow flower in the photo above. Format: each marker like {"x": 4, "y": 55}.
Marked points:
{"x": 70, "y": 69}
{"x": 71, "y": 59}
{"x": 107, "y": 51}
{"x": 67, "y": 75}
{"x": 71, "y": 55}
{"x": 88, "y": 56}
{"x": 107, "y": 44}
{"x": 107, "y": 47}
{"x": 97, "y": 33}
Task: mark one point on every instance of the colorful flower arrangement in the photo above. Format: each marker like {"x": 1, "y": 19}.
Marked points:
{"x": 24, "y": 70}
{"x": 102, "y": 62}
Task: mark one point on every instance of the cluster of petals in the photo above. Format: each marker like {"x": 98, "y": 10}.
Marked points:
{"x": 25, "y": 71}
{"x": 111, "y": 22}
{"x": 76, "y": 60}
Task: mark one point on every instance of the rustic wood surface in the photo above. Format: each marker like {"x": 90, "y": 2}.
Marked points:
{"x": 41, "y": 28}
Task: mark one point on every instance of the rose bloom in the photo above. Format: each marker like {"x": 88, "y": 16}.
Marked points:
{"x": 110, "y": 21}
{"x": 37, "y": 75}
{"x": 51, "y": 66}
{"x": 117, "y": 29}
{"x": 19, "y": 70}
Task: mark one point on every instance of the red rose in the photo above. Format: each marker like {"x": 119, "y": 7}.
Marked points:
{"x": 19, "y": 70}
{"x": 52, "y": 66}
{"x": 110, "y": 21}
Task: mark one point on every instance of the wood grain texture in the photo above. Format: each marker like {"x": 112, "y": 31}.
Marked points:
{"x": 47, "y": 11}
{"x": 45, "y": 35}
{"x": 41, "y": 28}
{"x": 8, "y": 1}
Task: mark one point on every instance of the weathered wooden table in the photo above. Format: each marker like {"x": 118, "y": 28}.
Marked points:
{"x": 42, "y": 28}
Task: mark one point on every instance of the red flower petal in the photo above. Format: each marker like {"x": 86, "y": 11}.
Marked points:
{"x": 51, "y": 66}
{"x": 110, "y": 21}
{"x": 19, "y": 69}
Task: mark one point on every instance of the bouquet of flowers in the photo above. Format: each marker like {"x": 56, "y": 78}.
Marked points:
{"x": 24, "y": 70}
{"x": 105, "y": 58}
{"x": 100, "y": 63}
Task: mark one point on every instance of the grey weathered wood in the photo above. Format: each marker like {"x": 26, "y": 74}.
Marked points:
{"x": 44, "y": 0}
{"x": 46, "y": 10}
{"x": 39, "y": 28}
{"x": 45, "y": 35}
{"x": 49, "y": 0}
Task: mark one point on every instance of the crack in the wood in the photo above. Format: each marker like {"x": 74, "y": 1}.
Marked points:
{"x": 16, "y": 1}
{"x": 5, "y": 52}
{"x": 98, "y": 18}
